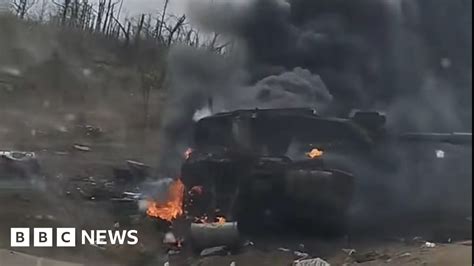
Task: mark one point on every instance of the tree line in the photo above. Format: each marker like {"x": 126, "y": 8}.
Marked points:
{"x": 104, "y": 17}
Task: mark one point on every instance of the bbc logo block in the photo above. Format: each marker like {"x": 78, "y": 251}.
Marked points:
{"x": 20, "y": 237}
{"x": 42, "y": 237}
{"x": 66, "y": 237}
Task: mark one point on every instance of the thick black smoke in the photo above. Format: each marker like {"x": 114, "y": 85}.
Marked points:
{"x": 409, "y": 58}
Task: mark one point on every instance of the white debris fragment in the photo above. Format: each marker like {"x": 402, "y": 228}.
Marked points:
{"x": 406, "y": 254}
{"x": 10, "y": 71}
{"x": 284, "y": 249}
{"x": 248, "y": 243}
{"x": 311, "y": 262}
{"x": 429, "y": 245}
{"x": 440, "y": 154}
{"x": 301, "y": 255}
{"x": 232, "y": 263}
{"x": 80, "y": 147}
{"x": 169, "y": 238}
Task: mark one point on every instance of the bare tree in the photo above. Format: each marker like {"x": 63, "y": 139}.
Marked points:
{"x": 21, "y": 7}
{"x": 162, "y": 20}
{"x": 175, "y": 29}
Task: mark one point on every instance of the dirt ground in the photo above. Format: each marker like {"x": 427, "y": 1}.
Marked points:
{"x": 64, "y": 194}
{"x": 53, "y": 204}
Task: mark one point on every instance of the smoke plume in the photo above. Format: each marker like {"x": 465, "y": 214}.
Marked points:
{"x": 411, "y": 59}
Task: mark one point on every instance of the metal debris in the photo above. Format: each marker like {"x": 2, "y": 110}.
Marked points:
{"x": 406, "y": 254}
{"x": 205, "y": 235}
{"x": 349, "y": 252}
{"x": 248, "y": 243}
{"x": 300, "y": 255}
{"x": 81, "y": 147}
{"x": 429, "y": 245}
{"x": 169, "y": 238}
{"x": 173, "y": 252}
{"x": 214, "y": 251}
{"x": 311, "y": 262}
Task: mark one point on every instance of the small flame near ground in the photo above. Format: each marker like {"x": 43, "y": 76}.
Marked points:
{"x": 171, "y": 209}
{"x": 219, "y": 220}
{"x": 314, "y": 153}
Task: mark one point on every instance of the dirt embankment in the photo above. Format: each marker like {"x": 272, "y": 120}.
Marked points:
{"x": 54, "y": 82}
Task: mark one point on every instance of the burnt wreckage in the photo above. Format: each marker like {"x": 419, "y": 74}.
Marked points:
{"x": 279, "y": 166}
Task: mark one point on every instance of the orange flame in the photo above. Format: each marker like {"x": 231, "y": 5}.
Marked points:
{"x": 171, "y": 209}
{"x": 220, "y": 220}
{"x": 314, "y": 153}
{"x": 205, "y": 220}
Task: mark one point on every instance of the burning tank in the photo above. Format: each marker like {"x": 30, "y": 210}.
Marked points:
{"x": 265, "y": 168}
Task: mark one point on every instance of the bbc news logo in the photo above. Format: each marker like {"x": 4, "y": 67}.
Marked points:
{"x": 66, "y": 237}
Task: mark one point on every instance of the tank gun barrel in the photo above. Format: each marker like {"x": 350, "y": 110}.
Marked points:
{"x": 460, "y": 138}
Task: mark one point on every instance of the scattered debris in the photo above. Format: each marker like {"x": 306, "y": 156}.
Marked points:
{"x": 169, "y": 238}
{"x": 406, "y": 254}
{"x": 300, "y": 255}
{"x": 214, "y": 251}
{"x": 311, "y": 262}
{"x": 132, "y": 195}
{"x": 205, "y": 235}
{"x": 429, "y": 245}
{"x": 284, "y": 249}
{"x": 248, "y": 243}
{"x": 349, "y": 252}
{"x": 81, "y": 147}
{"x": 92, "y": 131}
{"x": 173, "y": 252}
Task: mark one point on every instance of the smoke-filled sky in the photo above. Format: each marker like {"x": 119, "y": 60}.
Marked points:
{"x": 175, "y": 6}
{"x": 408, "y": 58}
